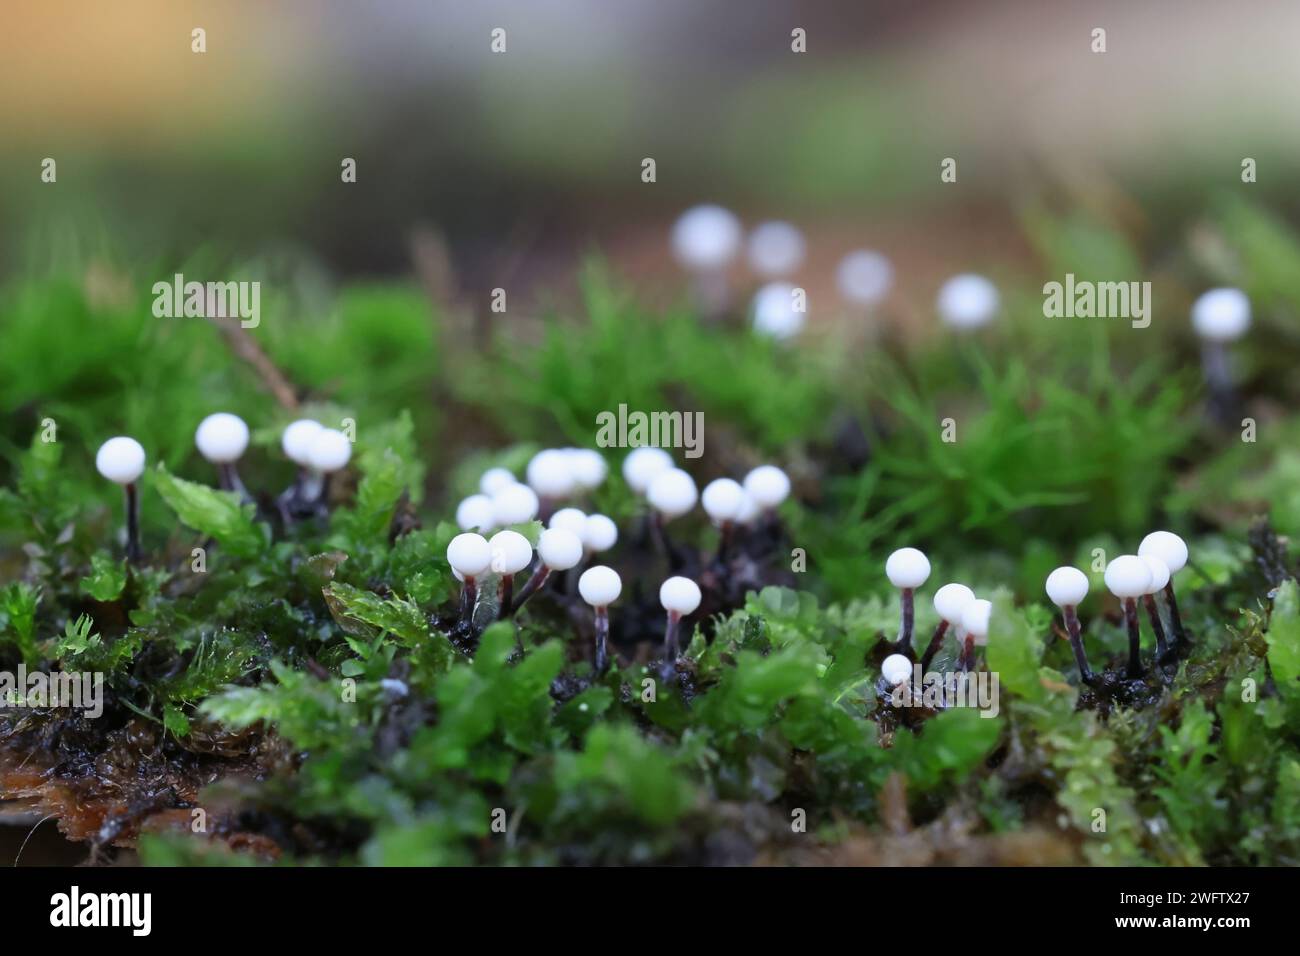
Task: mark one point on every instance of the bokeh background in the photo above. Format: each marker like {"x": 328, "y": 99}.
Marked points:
{"x": 516, "y": 165}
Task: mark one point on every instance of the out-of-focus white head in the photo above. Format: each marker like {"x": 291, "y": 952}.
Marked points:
{"x": 780, "y": 310}
{"x": 222, "y": 438}
{"x": 864, "y": 277}
{"x": 706, "y": 238}
{"x": 968, "y": 301}
{"x": 1221, "y": 315}
{"x": 775, "y": 249}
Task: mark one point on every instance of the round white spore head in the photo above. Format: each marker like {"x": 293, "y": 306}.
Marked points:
{"x": 907, "y": 568}
{"x": 511, "y": 552}
{"x": 222, "y": 438}
{"x": 777, "y": 314}
{"x": 297, "y": 439}
{"x": 330, "y": 450}
{"x": 967, "y": 301}
{"x": 706, "y": 238}
{"x": 768, "y": 486}
{"x": 723, "y": 499}
{"x": 642, "y": 465}
{"x": 951, "y": 600}
{"x": 672, "y": 493}
{"x": 1159, "y": 572}
{"x": 749, "y": 510}
{"x": 570, "y": 519}
{"x": 1221, "y": 315}
{"x": 600, "y": 586}
{"x": 775, "y": 249}
{"x": 549, "y": 474}
{"x": 864, "y": 277}
{"x": 469, "y": 554}
{"x": 1067, "y": 587}
{"x": 975, "y": 620}
{"x": 1128, "y": 576}
{"x": 120, "y": 460}
{"x": 560, "y": 549}
{"x": 475, "y": 513}
{"x": 494, "y": 479}
{"x": 587, "y": 467}
{"x": 679, "y": 595}
{"x": 514, "y": 504}
{"x": 599, "y": 533}
{"x": 1166, "y": 546}
{"x": 896, "y": 669}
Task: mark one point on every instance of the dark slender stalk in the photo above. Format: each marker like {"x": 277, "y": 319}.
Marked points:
{"x": 905, "y": 625}
{"x": 671, "y": 636}
{"x": 968, "y": 654}
{"x": 532, "y": 585}
{"x": 468, "y": 598}
{"x": 1175, "y": 620}
{"x": 133, "y": 552}
{"x": 228, "y": 480}
{"x": 1076, "y": 645}
{"x": 724, "y": 540}
{"x": 1134, "y": 638}
{"x": 932, "y": 648}
{"x": 1157, "y": 628}
{"x": 602, "y": 639}
{"x": 505, "y": 594}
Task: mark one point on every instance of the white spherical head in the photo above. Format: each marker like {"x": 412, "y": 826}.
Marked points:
{"x": 775, "y": 249}
{"x": 1166, "y": 546}
{"x": 672, "y": 493}
{"x": 723, "y": 499}
{"x": 907, "y": 568}
{"x": 330, "y": 450}
{"x": 560, "y": 549}
{"x": 514, "y": 504}
{"x": 549, "y": 474}
{"x": 1128, "y": 576}
{"x": 475, "y": 513}
{"x": 780, "y": 310}
{"x": 494, "y": 479}
{"x": 679, "y": 595}
{"x": 1221, "y": 315}
{"x": 975, "y": 620}
{"x": 297, "y": 439}
{"x": 864, "y": 277}
{"x": 599, "y": 533}
{"x": 967, "y": 301}
{"x": 1067, "y": 587}
{"x": 222, "y": 438}
{"x": 951, "y": 600}
{"x": 120, "y": 460}
{"x": 469, "y": 554}
{"x": 600, "y": 586}
{"x": 511, "y": 552}
{"x": 896, "y": 669}
{"x": 587, "y": 467}
{"x": 1159, "y": 572}
{"x": 768, "y": 486}
{"x": 642, "y": 465}
{"x": 706, "y": 238}
{"x": 749, "y": 510}
{"x": 570, "y": 519}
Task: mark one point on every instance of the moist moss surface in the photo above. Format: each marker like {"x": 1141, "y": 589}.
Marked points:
{"x": 309, "y": 694}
